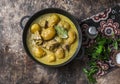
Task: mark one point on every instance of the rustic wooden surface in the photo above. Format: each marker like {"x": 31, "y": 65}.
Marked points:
{"x": 17, "y": 68}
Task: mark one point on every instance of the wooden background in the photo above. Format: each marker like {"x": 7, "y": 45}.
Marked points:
{"x": 17, "y": 68}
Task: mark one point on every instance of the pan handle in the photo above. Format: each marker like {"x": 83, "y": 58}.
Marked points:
{"x": 23, "y": 21}
{"x": 80, "y": 54}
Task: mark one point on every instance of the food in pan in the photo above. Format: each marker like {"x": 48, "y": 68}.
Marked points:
{"x": 52, "y": 39}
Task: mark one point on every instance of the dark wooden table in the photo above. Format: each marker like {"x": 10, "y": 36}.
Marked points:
{"x": 17, "y": 68}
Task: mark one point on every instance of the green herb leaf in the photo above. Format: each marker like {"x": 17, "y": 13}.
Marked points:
{"x": 85, "y": 71}
{"x": 61, "y": 32}
{"x": 100, "y": 51}
{"x": 89, "y": 73}
{"x": 115, "y": 45}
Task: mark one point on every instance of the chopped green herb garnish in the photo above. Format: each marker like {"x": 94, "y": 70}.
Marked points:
{"x": 99, "y": 51}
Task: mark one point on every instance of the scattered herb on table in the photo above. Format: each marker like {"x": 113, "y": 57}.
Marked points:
{"x": 99, "y": 51}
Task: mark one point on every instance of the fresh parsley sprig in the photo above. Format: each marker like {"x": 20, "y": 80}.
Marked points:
{"x": 100, "y": 51}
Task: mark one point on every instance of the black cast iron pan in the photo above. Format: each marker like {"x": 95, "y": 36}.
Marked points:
{"x": 79, "y": 52}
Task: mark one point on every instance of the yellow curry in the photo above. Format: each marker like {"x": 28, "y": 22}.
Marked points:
{"x": 52, "y": 39}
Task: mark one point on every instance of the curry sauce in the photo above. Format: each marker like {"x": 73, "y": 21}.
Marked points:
{"x": 52, "y": 39}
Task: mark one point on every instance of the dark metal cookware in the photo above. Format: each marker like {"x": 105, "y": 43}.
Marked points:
{"x": 46, "y": 11}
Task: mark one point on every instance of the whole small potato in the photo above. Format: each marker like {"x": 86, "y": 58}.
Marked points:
{"x": 35, "y": 27}
{"x": 48, "y": 33}
{"x": 52, "y": 58}
{"x": 53, "y": 20}
{"x": 64, "y": 24}
{"x": 60, "y": 54}
{"x": 43, "y": 23}
{"x": 71, "y": 37}
{"x": 38, "y": 52}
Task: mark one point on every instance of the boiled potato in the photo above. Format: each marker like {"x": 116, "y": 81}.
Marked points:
{"x": 43, "y": 23}
{"x": 64, "y": 24}
{"x": 52, "y": 58}
{"x": 48, "y": 33}
{"x": 60, "y": 54}
{"x": 35, "y": 27}
{"x": 53, "y": 20}
{"x": 72, "y": 37}
{"x": 38, "y": 52}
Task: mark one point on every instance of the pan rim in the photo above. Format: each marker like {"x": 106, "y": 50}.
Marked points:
{"x": 46, "y": 11}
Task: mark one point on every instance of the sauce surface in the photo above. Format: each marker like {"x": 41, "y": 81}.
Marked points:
{"x": 52, "y": 39}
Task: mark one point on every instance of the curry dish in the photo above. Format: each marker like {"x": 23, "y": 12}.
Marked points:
{"x": 52, "y": 39}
